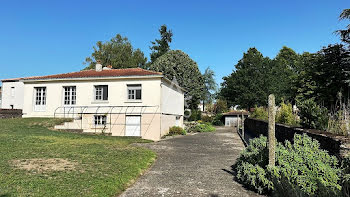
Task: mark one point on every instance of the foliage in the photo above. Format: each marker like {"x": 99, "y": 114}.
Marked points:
{"x": 285, "y": 115}
{"x": 256, "y": 76}
{"x": 105, "y": 165}
{"x": 175, "y": 130}
{"x": 199, "y": 127}
{"x": 195, "y": 115}
{"x": 118, "y": 52}
{"x": 345, "y": 33}
{"x": 210, "y": 86}
{"x": 177, "y": 65}
{"x": 312, "y": 115}
{"x": 345, "y": 166}
{"x": 260, "y": 113}
{"x": 203, "y": 127}
{"x": 220, "y": 106}
{"x": 217, "y": 121}
{"x": 302, "y": 168}
{"x": 206, "y": 118}
{"x": 161, "y": 46}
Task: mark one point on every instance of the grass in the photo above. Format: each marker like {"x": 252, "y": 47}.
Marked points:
{"x": 103, "y": 166}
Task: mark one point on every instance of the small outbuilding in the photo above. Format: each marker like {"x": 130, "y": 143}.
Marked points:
{"x": 230, "y": 118}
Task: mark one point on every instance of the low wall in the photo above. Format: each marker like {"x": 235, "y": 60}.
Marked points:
{"x": 335, "y": 144}
{"x": 10, "y": 113}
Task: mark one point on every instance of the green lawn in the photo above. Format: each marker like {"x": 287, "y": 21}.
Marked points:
{"x": 99, "y": 165}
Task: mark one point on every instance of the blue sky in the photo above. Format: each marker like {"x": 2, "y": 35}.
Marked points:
{"x": 50, "y": 37}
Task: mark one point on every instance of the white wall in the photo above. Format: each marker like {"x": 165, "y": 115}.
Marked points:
{"x": 172, "y": 99}
{"x": 117, "y": 94}
{"x": 16, "y": 99}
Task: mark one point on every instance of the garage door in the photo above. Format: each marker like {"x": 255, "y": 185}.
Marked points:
{"x": 133, "y": 126}
{"x": 230, "y": 121}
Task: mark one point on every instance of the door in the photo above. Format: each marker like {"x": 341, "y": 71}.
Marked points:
{"x": 230, "y": 121}
{"x": 133, "y": 126}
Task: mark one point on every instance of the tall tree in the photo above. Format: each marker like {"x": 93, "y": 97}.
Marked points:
{"x": 210, "y": 86}
{"x": 345, "y": 33}
{"x": 248, "y": 85}
{"x": 162, "y": 45}
{"x": 118, "y": 52}
{"x": 178, "y": 65}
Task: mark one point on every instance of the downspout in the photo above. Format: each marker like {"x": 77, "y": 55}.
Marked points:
{"x": 160, "y": 114}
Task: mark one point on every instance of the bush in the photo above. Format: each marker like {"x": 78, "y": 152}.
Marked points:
{"x": 302, "y": 168}
{"x": 312, "y": 115}
{"x": 199, "y": 127}
{"x": 195, "y": 115}
{"x": 260, "y": 113}
{"x": 285, "y": 115}
{"x": 175, "y": 130}
{"x": 345, "y": 166}
{"x": 207, "y": 119}
{"x": 217, "y": 120}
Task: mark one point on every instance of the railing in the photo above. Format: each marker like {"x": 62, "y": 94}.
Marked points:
{"x": 77, "y": 112}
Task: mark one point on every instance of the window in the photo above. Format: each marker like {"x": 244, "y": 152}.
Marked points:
{"x": 101, "y": 93}
{"x": 40, "y": 96}
{"x": 12, "y": 91}
{"x": 70, "y": 95}
{"x": 100, "y": 120}
{"x": 134, "y": 92}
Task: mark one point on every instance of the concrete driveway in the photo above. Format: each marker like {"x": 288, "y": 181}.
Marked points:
{"x": 193, "y": 165}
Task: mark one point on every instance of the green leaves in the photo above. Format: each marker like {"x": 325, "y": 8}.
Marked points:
{"x": 161, "y": 46}
{"x": 177, "y": 65}
{"x": 302, "y": 168}
{"x": 118, "y": 52}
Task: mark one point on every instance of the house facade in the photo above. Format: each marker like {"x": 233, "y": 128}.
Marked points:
{"x": 121, "y": 102}
{"x": 12, "y": 94}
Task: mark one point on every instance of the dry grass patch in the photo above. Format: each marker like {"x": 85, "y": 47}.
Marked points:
{"x": 44, "y": 165}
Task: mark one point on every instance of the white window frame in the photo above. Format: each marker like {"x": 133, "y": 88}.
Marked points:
{"x": 98, "y": 93}
{"x": 100, "y": 120}
{"x": 69, "y": 95}
{"x": 40, "y": 94}
{"x": 131, "y": 92}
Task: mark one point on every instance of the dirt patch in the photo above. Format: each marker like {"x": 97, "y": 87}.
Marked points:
{"x": 44, "y": 165}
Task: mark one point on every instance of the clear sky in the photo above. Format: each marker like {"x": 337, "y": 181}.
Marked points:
{"x": 50, "y": 37}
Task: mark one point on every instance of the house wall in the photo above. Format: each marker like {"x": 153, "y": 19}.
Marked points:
{"x": 117, "y": 94}
{"x": 150, "y": 125}
{"x": 172, "y": 106}
{"x": 17, "y": 99}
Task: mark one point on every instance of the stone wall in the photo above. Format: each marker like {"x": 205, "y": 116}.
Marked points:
{"x": 10, "y": 113}
{"x": 335, "y": 144}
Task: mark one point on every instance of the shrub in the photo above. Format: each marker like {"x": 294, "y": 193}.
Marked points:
{"x": 217, "y": 120}
{"x": 195, "y": 115}
{"x": 345, "y": 166}
{"x": 312, "y": 115}
{"x": 302, "y": 168}
{"x": 260, "y": 113}
{"x": 201, "y": 127}
{"x": 175, "y": 130}
{"x": 207, "y": 119}
{"x": 285, "y": 115}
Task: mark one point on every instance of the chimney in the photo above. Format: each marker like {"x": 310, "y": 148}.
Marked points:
{"x": 98, "y": 66}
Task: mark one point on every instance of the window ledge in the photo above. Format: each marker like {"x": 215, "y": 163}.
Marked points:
{"x": 99, "y": 102}
{"x": 131, "y": 101}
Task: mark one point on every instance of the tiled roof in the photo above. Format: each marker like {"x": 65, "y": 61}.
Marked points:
{"x": 13, "y": 79}
{"x": 95, "y": 74}
{"x": 235, "y": 113}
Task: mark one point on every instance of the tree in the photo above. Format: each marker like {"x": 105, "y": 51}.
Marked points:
{"x": 161, "y": 46}
{"x": 210, "y": 86}
{"x": 118, "y": 52}
{"x": 248, "y": 85}
{"x": 345, "y": 33}
{"x": 177, "y": 65}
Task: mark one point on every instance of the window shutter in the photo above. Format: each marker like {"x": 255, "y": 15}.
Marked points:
{"x": 105, "y": 92}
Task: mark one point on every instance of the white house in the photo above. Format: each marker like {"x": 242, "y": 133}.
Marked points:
{"x": 122, "y": 102}
{"x": 12, "y": 94}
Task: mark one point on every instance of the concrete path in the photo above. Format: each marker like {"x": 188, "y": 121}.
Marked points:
{"x": 193, "y": 165}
